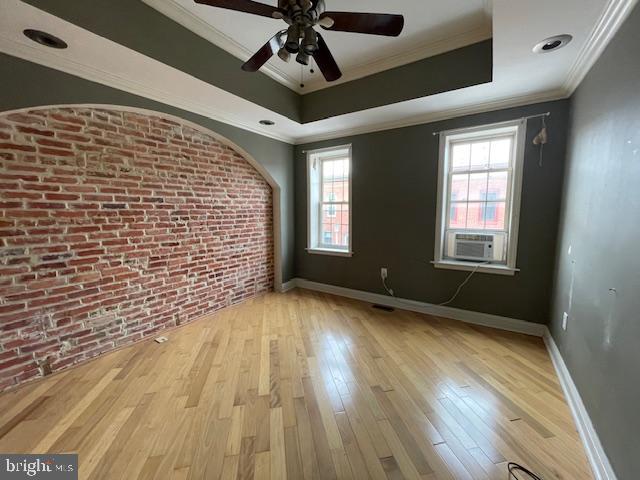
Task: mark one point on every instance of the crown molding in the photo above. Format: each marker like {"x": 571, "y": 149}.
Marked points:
{"x": 425, "y": 50}
{"x": 64, "y": 64}
{"x": 613, "y": 16}
{"x": 60, "y": 62}
{"x": 195, "y": 24}
{"x": 440, "y": 115}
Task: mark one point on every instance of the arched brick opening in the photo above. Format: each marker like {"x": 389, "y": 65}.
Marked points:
{"x": 116, "y": 224}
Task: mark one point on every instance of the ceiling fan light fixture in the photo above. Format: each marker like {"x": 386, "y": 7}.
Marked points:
{"x": 284, "y": 55}
{"x": 326, "y": 22}
{"x": 302, "y": 58}
{"x": 310, "y": 41}
{"x": 293, "y": 38}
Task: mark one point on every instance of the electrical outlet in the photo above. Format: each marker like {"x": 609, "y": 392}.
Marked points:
{"x": 565, "y": 319}
{"x": 383, "y": 273}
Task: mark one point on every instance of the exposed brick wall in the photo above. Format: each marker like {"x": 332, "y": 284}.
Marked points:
{"x": 115, "y": 225}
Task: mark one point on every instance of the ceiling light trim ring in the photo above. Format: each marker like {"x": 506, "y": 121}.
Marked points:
{"x": 552, "y": 44}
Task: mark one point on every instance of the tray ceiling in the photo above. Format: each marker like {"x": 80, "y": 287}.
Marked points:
{"x": 430, "y": 28}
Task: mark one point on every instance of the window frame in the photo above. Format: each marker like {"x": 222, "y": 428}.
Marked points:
{"x": 315, "y": 242}
{"x": 513, "y": 197}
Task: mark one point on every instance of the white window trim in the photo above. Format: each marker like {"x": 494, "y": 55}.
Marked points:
{"x": 322, "y": 249}
{"x": 516, "y": 196}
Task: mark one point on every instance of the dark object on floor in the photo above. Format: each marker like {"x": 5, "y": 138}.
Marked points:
{"x": 384, "y": 307}
{"x": 514, "y": 467}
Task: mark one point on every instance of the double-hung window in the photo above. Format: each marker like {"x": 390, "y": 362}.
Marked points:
{"x": 479, "y": 184}
{"x": 329, "y": 200}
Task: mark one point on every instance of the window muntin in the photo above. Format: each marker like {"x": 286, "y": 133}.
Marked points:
{"x": 478, "y": 183}
{"x": 479, "y": 190}
{"x": 329, "y": 180}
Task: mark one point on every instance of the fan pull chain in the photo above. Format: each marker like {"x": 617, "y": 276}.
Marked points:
{"x": 301, "y": 76}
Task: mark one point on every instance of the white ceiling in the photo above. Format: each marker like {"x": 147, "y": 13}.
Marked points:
{"x": 430, "y": 28}
{"x": 520, "y": 76}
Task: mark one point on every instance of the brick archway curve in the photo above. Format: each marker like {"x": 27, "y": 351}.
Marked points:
{"x": 275, "y": 186}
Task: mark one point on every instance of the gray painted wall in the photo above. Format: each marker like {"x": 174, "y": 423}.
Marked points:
{"x": 394, "y": 213}
{"x": 26, "y": 84}
{"x": 134, "y": 24}
{"x": 425, "y": 77}
{"x": 600, "y": 221}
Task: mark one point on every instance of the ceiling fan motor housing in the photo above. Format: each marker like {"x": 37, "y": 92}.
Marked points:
{"x": 302, "y": 16}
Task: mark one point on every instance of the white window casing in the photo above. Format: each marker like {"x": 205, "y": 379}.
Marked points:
{"x": 506, "y": 237}
{"x": 337, "y": 240}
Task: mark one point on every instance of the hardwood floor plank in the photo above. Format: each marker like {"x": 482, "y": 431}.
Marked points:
{"x": 306, "y": 386}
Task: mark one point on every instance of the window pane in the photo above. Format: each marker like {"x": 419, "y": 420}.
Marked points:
{"x": 327, "y": 191}
{"x": 494, "y": 215}
{"x": 327, "y": 170}
{"x": 338, "y": 169}
{"x": 460, "y": 157}
{"x": 459, "y": 187}
{"x": 478, "y": 186}
{"x": 343, "y": 231}
{"x": 345, "y": 168}
{"x": 480, "y": 155}
{"x": 335, "y": 225}
{"x": 501, "y": 153}
{"x": 497, "y": 189}
{"x": 335, "y": 169}
{"x": 458, "y": 215}
{"x": 327, "y": 233}
{"x": 339, "y": 192}
{"x": 475, "y": 216}
{"x": 343, "y": 191}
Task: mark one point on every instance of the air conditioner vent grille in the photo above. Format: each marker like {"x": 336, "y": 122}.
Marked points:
{"x": 474, "y": 237}
{"x": 470, "y": 249}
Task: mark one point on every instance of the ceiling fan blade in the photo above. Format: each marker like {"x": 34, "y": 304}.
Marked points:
{"x": 246, "y": 6}
{"x": 371, "y": 23}
{"x": 326, "y": 62}
{"x": 263, "y": 55}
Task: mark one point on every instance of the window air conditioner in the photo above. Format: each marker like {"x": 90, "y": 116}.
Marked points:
{"x": 472, "y": 246}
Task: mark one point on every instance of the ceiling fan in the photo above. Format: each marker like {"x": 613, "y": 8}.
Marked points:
{"x": 300, "y": 38}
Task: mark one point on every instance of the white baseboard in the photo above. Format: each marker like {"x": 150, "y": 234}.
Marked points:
{"x": 286, "y": 286}
{"x": 477, "y": 318}
{"x": 600, "y": 465}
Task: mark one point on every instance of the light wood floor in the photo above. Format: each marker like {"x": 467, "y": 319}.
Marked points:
{"x": 306, "y": 386}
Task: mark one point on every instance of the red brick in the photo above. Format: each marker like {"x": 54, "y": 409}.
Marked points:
{"x": 120, "y": 231}
{"x": 56, "y": 152}
{"x": 35, "y": 131}
{"x": 15, "y": 146}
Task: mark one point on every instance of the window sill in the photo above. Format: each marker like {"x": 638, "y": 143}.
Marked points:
{"x": 330, "y": 251}
{"x": 478, "y": 267}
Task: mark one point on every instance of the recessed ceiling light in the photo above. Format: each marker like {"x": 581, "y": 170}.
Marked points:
{"x": 268, "y": 123}
{"x": 44, "y": 38}
{"x": 552, "y": 44}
